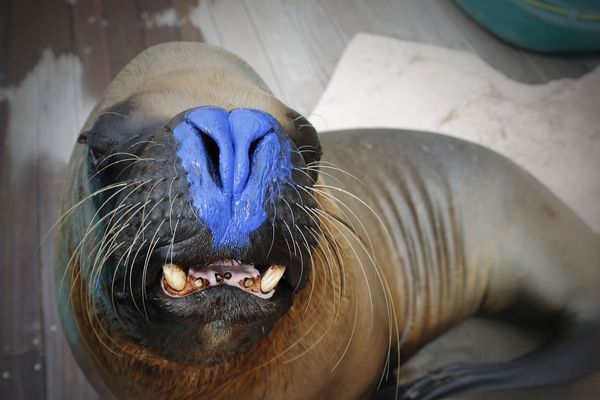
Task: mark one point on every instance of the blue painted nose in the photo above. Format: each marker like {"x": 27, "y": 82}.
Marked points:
{"x": 235, "y": 162}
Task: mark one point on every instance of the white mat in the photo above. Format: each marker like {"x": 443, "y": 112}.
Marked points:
{"x": 553, "y": 130}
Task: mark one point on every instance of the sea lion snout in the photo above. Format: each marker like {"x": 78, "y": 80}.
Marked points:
{"x": 234, "y": 161}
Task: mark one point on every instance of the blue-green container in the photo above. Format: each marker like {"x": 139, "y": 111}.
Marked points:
{"x": 540, "y": 25}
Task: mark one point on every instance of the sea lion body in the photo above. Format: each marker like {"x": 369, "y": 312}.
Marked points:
{"x": 427, "y": 230}
{"x": 470, "y": 230}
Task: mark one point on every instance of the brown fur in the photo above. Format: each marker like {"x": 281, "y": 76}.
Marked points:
{"x": 313, "y": 333}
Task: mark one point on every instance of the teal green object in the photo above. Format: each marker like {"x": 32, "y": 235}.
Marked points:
{"x": 540, "y": 25}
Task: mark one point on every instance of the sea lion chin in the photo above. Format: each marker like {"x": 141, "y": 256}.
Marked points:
{"x": 209, "y": 248}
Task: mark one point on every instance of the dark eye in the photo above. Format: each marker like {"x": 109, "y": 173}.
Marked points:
{"x": 95, "y": 156}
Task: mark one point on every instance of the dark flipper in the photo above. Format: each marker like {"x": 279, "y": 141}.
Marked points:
{"x": 571, "y": 354}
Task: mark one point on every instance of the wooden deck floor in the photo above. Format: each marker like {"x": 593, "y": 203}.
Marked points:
{"x": 57, "y": 56}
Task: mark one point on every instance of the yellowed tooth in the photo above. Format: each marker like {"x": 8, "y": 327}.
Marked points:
{"x": 271, "y": 278}
{"x": 175, "y": 276}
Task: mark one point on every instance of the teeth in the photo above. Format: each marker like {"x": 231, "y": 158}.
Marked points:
{"x": 248, "y": 282}
{"x": 174, "y": 276}
{"x": 271, "y": 278}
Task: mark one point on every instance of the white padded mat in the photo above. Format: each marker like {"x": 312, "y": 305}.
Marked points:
{"x": 552, "y": 130}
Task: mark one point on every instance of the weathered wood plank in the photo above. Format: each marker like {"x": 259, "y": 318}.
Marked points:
{"x": 432, "y": 25}
{"x": 350, "y": 17}
{"x": 20, "y": 329}
{"x": 195, "y": 23}
{"x": 159, "y": 22}
{"x": 21, "y": 54}
{"x": 3, "y": 35}
{"x": 239, "y": 35}
{"x": 21, "y": 377}
{"x": 316, "y": 28}
{"x": 90, "y": 45}
{"x": 300, "y": 80}
{"x": 60, "y": 78}
{"x": 123, "y": 32}
{"x": 64, "y": 380}
{"x": 390, "y": 19}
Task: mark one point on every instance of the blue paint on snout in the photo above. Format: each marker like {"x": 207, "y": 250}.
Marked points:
{"x": 254, "y": 158}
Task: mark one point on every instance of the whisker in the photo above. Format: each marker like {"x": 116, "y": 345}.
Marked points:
{"x": 321, "y": 164}
{"x": 338, "y": 201}
{"x": 73, "y": 208}
{"x": 134, "y": 159}
{"x": 273, "y": 231}
{"x": 151, "y": 248}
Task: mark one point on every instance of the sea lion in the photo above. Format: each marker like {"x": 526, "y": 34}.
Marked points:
{"x": 208, "y": 250}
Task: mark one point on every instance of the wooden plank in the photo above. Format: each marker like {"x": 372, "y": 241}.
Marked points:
{"x": 33, "y": 51}
{"x": 296, "y": 70}
{"x": 20, "y": 377}
{"x": 316, "y": 29}
{"x": 195, "y": 23}
{"x": 159, "y": 22}
{"x": 239, "y": 35}
{"x": 3, "y": 35}
{"x": 60, "y": 79}
{"x": 20, "y": 330}
{"x": 21, "y": 54}
{"x": 90, "y": 45}
{"x": 432, "y": 25}
{"x": 63, "y": 377}
{"x": 390, "y": 19}
{"x": 350, "y": 17}
{"x": 3, "y": 49}
{"x": 122, "y": 25}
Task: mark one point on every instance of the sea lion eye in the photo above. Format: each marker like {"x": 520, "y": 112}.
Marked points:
{"x": 95, "y": 156}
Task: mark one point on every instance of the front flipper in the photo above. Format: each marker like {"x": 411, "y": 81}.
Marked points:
{"x": 571, "y": 354}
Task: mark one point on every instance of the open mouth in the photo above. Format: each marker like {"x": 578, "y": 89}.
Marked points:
{"x": 177, "y": 282}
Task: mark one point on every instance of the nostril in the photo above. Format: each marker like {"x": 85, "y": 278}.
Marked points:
{"x": 252, "y": 150}
{"x": 212, "y": 151}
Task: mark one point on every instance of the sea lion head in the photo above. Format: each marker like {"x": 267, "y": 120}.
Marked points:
{"x": 203, "y": 221}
